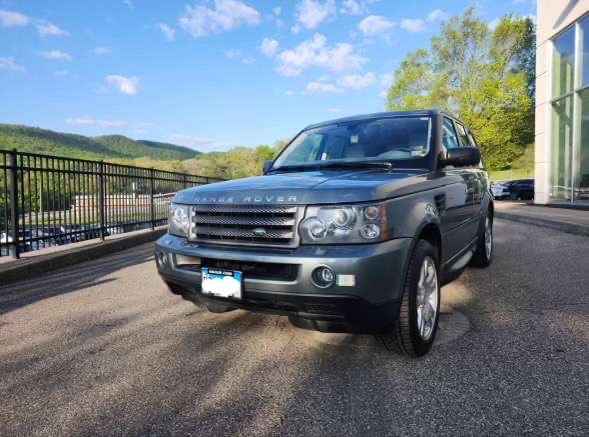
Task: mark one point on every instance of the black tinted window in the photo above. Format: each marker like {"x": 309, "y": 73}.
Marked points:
{"x": 464, "y": 139}
{"x": 449, "y": 138}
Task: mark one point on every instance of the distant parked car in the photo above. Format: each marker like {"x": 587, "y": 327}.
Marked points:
{"x": 497, "y": 189}
{"x": 522, "y": 189}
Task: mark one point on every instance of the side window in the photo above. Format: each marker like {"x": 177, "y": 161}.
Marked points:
{"x": 464, "y": 140}
{"x": 472, "y": 140}
{"x": 449, "y": 139}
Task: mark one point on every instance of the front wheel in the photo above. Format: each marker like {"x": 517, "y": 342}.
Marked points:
{"x": 414, "y": 330}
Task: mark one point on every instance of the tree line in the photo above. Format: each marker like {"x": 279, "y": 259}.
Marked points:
{"x": 483, "y": 75}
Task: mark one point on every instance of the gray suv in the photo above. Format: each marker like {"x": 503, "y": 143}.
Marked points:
{"x": 354, "y": 227}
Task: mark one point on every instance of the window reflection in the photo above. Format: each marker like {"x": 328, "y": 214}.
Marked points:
{"x": 561, "y": 150}
{"x": 581, "y": 188}
{"x": 563, "y": 63}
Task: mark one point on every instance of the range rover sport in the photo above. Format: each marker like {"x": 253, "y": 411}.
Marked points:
{"x": 354, "y": 227}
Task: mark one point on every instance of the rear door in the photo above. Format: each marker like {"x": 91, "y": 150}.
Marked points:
{"x": 475, "y": 181}
{"x": 457, "y": 213}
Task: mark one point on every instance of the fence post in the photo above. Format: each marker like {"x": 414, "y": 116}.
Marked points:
{"x": 101, "y": 201}
{"x": 185, "y": 181}
{"x": 151, "y": 198}
{"x": 14, "y": 204}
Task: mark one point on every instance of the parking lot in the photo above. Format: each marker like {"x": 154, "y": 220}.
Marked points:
{"x": 103, "y": 348}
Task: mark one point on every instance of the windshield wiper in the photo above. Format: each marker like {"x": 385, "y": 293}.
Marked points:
{"x": 335, "y": 164}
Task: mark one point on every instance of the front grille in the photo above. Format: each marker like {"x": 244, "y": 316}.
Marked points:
{"x": 264, "y": 225}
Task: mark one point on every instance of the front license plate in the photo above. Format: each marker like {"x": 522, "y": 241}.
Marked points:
{"x": 222, "y": 283}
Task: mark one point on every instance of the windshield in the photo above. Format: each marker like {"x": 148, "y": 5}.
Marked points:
{"x": 384, "y": 139}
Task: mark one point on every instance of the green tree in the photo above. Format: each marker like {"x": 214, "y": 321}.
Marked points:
{"x": 484, "y": 76}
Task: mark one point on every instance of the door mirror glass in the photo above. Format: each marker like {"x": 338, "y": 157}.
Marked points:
{"x": 461, "y": 157}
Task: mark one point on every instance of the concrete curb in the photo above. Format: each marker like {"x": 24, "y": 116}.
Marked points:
{"x": 34, "y": 266}
{"x": 569, "y": 228}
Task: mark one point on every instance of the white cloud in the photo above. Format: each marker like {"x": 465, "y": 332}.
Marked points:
{"x": 289, "y": 93}
{"x": 437, "y": 15}
{"x": 13, "y": 19}
{"x": 277, "y": 10}
{"x": 413, "y": 25}
{"x": 357, "y": 81}
{"x": 57, "y": 55}
{"x": 81, "y": 121}
{"x": 49, "y": 29}
{"x": 226, "y": 15}
{"x": 316, "y": 53}
{"x": 356, "y": 7}
{"x": 101, "y": 51}
{"x": 322, "y": 88}
{"x": 236, "y": 55}
{"x": 351, "y": 7}
{"x": 168, "y": 31}
{"x": 386, "y": 80}
{"x": 113, "y": 124}
{"x": 334, "y": 110}
{"x": 9, "y": 64}
{"x": 106, "y": 124}
{"x": 126, "y": 85}
{"x": 311, "y": 13}
{"x": 269, "y": 46}
{"x": 375, "y": 25}
{"x": 203, "y": 144}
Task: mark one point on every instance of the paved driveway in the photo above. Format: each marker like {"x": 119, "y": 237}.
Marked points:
{"x": 103, "y": 348}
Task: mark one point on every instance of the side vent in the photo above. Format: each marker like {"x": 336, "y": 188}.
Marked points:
{"x": 440, "y": 200}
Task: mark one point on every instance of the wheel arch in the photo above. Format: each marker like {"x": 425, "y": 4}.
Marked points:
{"x": 430, "y": 232}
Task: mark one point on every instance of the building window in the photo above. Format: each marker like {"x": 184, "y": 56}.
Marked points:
{"x": 563, "y": 65}
{"x": 569, "y": 151}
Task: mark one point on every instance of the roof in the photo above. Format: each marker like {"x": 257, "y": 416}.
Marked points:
{"x": 417, "y": 113}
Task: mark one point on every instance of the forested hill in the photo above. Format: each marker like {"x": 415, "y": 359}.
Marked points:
{"x": 36, "y": 140}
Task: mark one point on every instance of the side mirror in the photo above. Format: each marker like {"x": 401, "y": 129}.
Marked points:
{"x": 461, "y": 157}
{"x": 267, "y": 166}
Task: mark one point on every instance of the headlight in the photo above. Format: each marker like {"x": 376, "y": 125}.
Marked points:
{"x": 179, "y": 220}
{"x": 344, "y": 224}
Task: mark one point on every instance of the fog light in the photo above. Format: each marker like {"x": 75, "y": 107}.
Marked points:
{"x": 323, "y": 277}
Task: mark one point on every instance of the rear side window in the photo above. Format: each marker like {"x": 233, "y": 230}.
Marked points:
{"x": 449, "y": 138}
{"x": 464, "y": 140}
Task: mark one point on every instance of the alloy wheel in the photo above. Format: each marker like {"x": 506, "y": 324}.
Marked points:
{"x": 427, "y": 298}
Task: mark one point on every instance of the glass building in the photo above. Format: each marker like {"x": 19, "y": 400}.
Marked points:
{"x": 562, "y": 102}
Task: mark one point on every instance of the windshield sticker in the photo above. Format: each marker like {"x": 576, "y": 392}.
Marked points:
{"x": 354, "y": 139}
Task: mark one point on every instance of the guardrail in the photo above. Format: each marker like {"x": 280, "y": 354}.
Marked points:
{"x": 50, "y": 200}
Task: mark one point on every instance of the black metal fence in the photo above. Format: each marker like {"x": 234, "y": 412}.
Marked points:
{"x": 50, "y": 200}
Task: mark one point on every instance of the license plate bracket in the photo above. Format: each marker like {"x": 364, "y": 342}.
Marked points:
{"x": 221, "y": 283}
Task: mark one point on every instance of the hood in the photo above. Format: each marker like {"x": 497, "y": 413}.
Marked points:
{"x": 318, "y": 187}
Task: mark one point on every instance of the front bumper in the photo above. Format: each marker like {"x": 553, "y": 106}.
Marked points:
{"x": 369, "y": 305}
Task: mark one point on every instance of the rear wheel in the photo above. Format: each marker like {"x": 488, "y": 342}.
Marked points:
{"x": 414, "y": 330}
{"x": 514, "y": 196}
{"x": 483, "y": 255}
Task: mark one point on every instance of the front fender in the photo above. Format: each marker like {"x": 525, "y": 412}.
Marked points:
{"x": 407, "y": 216}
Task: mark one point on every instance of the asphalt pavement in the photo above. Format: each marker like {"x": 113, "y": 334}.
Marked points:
{"x": 103, "y": 348}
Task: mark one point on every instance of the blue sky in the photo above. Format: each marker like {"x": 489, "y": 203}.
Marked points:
{"x": 209, "y": 74}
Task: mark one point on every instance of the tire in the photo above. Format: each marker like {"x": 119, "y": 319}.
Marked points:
{"x": 483, "y": 255}
{"x": 404, "y": 335}
{"x": 514, "y": 196}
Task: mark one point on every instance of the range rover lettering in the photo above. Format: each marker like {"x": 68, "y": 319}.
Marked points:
{"x": 354, "y": 227}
